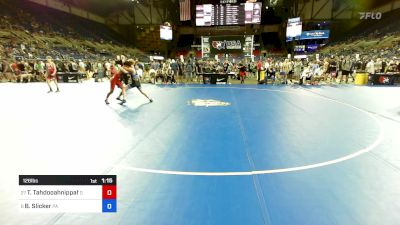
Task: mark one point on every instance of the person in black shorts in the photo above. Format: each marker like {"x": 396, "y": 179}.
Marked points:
{"x": 130, "y": 73}
{"x": 333, "y": 69}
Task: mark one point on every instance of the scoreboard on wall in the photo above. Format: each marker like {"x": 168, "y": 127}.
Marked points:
{"x": 228, "y": 14}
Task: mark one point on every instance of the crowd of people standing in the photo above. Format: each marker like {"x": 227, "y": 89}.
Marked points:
{"x": 276, "y": 70}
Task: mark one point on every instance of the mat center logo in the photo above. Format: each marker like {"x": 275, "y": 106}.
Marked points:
{"x": 221, "y": 45}
{"x": 208, "y": 102}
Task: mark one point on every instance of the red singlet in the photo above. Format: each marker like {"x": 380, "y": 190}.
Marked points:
{"x": 115, "y": 78}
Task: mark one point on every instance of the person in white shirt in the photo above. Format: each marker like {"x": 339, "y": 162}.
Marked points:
{"x": 370, "y": 67}
{"x": 107, "y": 65}
{"x": 266, "y": 65}
{"x": 81, "y": 65}
{"x": 139, "y": 71}
{"x": 378, "y": 65}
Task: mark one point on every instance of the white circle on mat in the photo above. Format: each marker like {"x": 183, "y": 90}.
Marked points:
{"x": 377, "y": 141}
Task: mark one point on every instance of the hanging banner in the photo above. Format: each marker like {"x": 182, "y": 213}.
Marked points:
{"x": 315, "y": 34}
{"x": 299, "y": 48}
{"x": 226, "y": 44}
{"x": 312, "y": 47}
{"x": 205, "y": 47}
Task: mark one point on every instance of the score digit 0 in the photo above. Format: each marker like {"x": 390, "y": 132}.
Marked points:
{"x": 109, "y": 191}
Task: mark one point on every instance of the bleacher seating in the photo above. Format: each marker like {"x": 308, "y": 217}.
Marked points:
{"x": 149, "y": 39}
{"x": 370, "y": 36}
{"x": 46, "y": 31}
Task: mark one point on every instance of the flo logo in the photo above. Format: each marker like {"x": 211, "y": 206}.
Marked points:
{"x": 370, "y": 15}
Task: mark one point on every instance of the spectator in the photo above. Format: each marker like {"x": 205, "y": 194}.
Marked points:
{"x": 370, "y": 68}
{"x": 100, "y": 68}
{"x": 346, "y": 65}
{"x": 259, "y": 69}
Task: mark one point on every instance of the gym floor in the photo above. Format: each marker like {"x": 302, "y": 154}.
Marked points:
{"x": 315, "y": 155}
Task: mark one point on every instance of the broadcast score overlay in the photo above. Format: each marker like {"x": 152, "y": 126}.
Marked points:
{"x": 68, "y": 193}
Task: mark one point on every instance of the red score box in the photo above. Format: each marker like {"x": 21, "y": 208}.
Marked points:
{"x": 109, "y": 191}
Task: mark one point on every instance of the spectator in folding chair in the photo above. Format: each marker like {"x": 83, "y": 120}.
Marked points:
{"x": 18, "y": 69}
{"x": 316, "y": 73}
{"x": 306, "y": 75}
{"x": 26, "y": 71}
{"x": 14, "y": 69}
{"x": 392, "y": 65}
{"x": 159, "y": 78}
{"x": 72, "y": 66}
{"x": 270, "y": 73}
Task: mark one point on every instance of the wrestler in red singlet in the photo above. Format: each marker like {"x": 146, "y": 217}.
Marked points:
{"x": 51, "y": 74}
{"x": 116, "y": 81}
